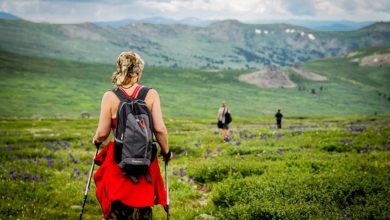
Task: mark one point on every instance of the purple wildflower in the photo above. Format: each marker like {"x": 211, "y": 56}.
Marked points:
{"x": 65, "y": 145}
{"x": 219, "y": 149}
{"x": 279, "y": 151}
{"x": 175, "y": 173}
{"x": 208, "y": 151}
{"x": 346, "y": 141}
{"x": 386, "y": 148}
{"x": 25, "y": 176}
{"x": 50, "y": 163}
{"x": 234, "y": 169}
{"x": 11, "y": 171}
{"x": 198, "y": 144}
{"x": 78, "y": 173}
{"x": 33, "y": 177}
{"x": 215, "y": 132}
{"x": 279, "y": 135}
{"x": 238, "y": 143}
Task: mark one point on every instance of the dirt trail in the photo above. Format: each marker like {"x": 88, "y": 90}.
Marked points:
{"x": 308, "y": 74}
{"x": 269, "y": 77}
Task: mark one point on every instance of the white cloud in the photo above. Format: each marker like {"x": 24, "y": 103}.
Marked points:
{"x": 245, "y": 10}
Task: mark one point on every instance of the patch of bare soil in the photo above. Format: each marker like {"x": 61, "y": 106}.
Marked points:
{"x": 269, "y": 77}
{"x": 308, "y": 74}
{"x": 376, "y": 60}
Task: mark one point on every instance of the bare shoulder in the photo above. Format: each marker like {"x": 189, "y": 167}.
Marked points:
{"x": 109, "y": 98}
{"x": 108, "y": 95}
{"x": 153, "y": 93}
{"x": 151, "y": 98}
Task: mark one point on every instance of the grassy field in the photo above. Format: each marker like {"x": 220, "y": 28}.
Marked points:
{"x": 35, "y": 87}
{"x": 330, "y": 161}
{"x": 313, "y": 168}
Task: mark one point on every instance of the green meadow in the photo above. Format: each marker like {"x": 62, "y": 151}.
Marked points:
{"x": 42, "y": 87}
{"x": 313, "y": 168}
{"x": 331, "y": 160}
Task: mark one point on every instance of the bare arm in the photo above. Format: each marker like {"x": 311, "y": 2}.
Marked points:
{"x": 160, "y": 131}
{"x": 104, "y": 127}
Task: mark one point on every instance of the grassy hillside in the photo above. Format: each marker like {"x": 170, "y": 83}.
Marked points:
{"x": 221, "y": 45}
{"x": 40, "y": 86}
{"x": 314, "y": 168}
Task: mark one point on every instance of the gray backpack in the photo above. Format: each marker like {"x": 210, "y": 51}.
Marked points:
{"x": 134, "y": 146}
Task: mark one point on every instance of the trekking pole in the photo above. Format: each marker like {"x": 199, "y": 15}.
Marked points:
{"x": 97, "y": 145}
{"x": 167, "y": 189}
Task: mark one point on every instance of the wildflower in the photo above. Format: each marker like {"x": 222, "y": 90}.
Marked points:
{"x": 238, "y": 143}
{"x": 50, "y": 163}
{"x": 234, "y": 169}
{"x": 11, "y": 171}
{"x": 386, "y": 148}
{"x": 78, "y": 173}
{"x": 346, "y": 141}
{"x": 182, "y": 173}
{"x": 33, "y": 177}
{"x": 66, "y": 144}
{"x": 175, "y": 173}
{"x": 208, "y": 151}
{"x": 279, "y": 151}
{"x": 219, "y": 149}
{"x": 215, "y": 132}
{"x": 198, "y": 144}
{"x": 279, "y": 135}
{"x": 25, "y": 176}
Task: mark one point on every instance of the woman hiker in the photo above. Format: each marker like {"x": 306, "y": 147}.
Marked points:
{"x": 119, "y": 196}
{"x": 222, "y": 124}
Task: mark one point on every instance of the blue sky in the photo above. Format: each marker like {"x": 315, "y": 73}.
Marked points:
{"x": 75, "y": 11}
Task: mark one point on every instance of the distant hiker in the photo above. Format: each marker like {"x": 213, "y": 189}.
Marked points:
{"x": 279, "y": 117}
{"x": 224, "y": 118}
{"x": 120, "y": 196}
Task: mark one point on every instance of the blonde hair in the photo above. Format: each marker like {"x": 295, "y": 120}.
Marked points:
{"x": 128, "y": 65}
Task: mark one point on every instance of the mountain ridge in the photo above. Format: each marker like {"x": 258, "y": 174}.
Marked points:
{"x": 228, "y": 44}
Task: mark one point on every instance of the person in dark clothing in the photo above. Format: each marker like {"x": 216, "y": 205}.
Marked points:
{"x": 279, "y": 117}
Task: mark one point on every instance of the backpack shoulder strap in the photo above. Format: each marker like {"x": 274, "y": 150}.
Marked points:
{"x": 122, "y": 96}
{"x": 143, "y": 92}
